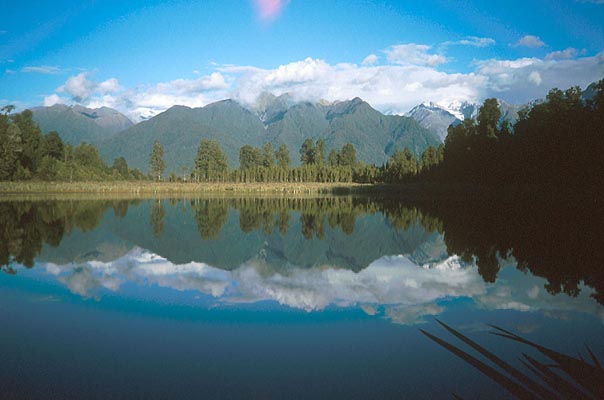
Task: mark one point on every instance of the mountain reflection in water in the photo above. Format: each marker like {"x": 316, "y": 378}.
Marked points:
{"x": 388, "y": 258}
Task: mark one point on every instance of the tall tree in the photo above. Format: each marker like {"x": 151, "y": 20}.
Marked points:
{"x": 429, "y": 158}
{"x": 53, "y": 145}
{"x": 32, "y": 140}
{"x": 10, "y": 150}
{"x": 307, "y": 152}
{"x": 121, "y": 166}
{"x": 282, "y": 156}
{"x": 488, "y": 118}
{"x": 156, "y": 160}
{"x": 348, "y": 155}
{"x": 249, "y": 157}
{"x": 211, "y": 163}
{"x": 332, "y": 158}
{"x": 268, "y": 157}
{"x": 320, "y": 152}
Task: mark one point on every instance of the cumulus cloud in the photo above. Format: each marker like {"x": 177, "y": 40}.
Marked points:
{"x": 530, "y": 41}
{"x": 43, "y": 69}
{"x": 393, "y": 287}
{"x": 413, "y": 54}
{"x": 409, "y": 76}
{"x": 370, "y": 59}
{"x": 562, "y": 54}
{"x": 109, "y": 86}
{"x": 508, "y": 79}
{"x": 52, "y": 100}
{"x": 79, "y": 87}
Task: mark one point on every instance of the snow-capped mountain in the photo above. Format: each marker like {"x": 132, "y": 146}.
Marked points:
{"x": 437, "y": 117}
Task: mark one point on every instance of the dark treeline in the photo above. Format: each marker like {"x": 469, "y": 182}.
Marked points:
{"x": 26, "y": 225}
{"x": 557, "y": 143}
{"x": 25, "y": 153}
{"x": 486, "y": 231}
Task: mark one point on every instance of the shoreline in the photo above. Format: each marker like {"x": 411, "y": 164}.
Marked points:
{"x": 136, "y": 188}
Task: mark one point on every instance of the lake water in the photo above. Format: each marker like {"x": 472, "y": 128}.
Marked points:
{"x": 282, "y": 298}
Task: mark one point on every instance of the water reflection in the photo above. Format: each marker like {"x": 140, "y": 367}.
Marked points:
{"x": 400, "y": 260}
{"x": 393, "y": 286}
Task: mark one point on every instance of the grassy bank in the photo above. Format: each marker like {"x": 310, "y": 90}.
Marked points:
{"x": 145, "y": 188}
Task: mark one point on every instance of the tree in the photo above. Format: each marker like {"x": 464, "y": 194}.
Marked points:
{"x": 319, "y": 156}
{"x": 268, "y": 157}
{"x": 488, "y": 118}
{"x": 211, "y": 163}
{"x": 249, "y": 157}
{"x": 282, "y": 156}
{"x": 156, "y": 160}
{"x": 31, "y": 139}
{"x": 429, "y": 158}
{"x": 307, "y": 152}
{"x": 53, "y": 145}
{"x": 332, "y": 158}
{"x": 10, "y": 150}
{"x": 121, "y": 166}
{"x": 348, "y": 156}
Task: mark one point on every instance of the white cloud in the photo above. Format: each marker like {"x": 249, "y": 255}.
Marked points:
{"x": 52, "y": 100}
{"x": 78, "y": 87}
{"x": 392, "y": 286}
{"x": 109, "y": 86}
{"x": 411, "y": 77}
{"x": 370, "y": 59}
{"x": 507, "y": 79}
{"x": 530, "y": 41}
{"x": 413, "y": 54}
{"x": 43, "y": 69}
{"x": 535, "y": 78}
{"x": 562, "y": 54}
{"x": 472, "y": 41}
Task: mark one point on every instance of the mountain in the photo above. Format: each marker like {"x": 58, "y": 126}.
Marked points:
{"x": 273, "y": 119}
{"x": 80, "y": 124}
{"x": 433, "y": 118}
{"x": 437, "y": 118}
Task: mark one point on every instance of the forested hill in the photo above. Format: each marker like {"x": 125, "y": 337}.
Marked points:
{"x": 79, "y": 124}
{"x": 180, "y": 129}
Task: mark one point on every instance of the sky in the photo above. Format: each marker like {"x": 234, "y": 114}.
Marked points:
{"x": 142, "y": 57}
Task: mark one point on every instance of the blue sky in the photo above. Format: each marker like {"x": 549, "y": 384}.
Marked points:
{"x": 142, "y": 57}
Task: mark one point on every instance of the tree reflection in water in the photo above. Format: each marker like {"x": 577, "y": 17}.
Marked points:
{"x": 554, "y": 239}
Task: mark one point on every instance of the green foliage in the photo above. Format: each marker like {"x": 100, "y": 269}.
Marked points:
{"x": 282, "y": 156}
{"x": 10, "y": 148}
{"x": 210, "y": 164}
{"x": 156, "y": 160}
{"x": 307, "y": 152}
{"x": 268, "y": 157}
{"x": 347, "y": 156}
{"x": 121, "y": 166}
{"x": 250, "y": 157}
{"x": 53, "y": 146}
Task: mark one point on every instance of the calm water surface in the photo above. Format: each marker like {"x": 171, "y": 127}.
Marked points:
{"x": 277, "y": 298}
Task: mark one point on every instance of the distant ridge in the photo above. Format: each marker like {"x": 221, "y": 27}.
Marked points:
{"x": 80, "y": 124}
{"x": 274, "y": 119}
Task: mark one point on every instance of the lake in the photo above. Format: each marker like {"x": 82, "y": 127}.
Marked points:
{"x": 274, "y": 297}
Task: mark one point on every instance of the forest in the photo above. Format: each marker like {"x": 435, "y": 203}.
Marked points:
{"x": 557, "y": 141}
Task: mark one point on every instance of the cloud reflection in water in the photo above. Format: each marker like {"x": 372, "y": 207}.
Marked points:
{"x": 403, "y": 291}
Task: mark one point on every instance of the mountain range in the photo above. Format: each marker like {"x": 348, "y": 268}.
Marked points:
{"x": 272, "y": 119}
{"x": 277, "y": 120}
